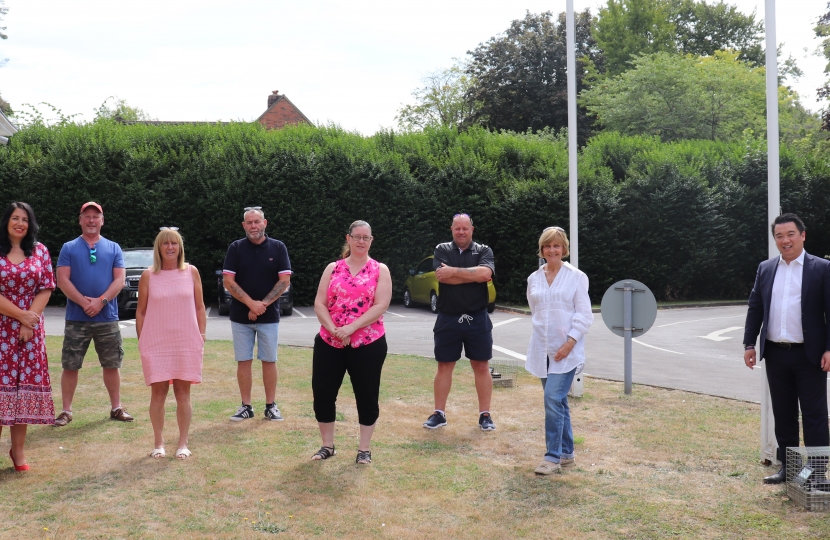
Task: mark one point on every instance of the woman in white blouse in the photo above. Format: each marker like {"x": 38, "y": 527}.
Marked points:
{"x": 558, "y": 297}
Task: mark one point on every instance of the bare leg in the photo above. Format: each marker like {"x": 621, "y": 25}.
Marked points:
{"x": 18, "y": 432}
{"x": 69, "y": 382}
{"x": 112, "y": 380}
{"x": 245, "y": 380}
{"x": 327, "y": 434}
{"x": 269, "y": 380}
{"x": 158, "y": 395}
{"x": 484, "y": 383}
{"x": 366, "y": 437}
{"x": 442, "y": 384}
{"x": 184, "y": 409}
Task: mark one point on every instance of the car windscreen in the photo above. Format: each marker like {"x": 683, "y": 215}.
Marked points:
{"x": 141, "y": 258}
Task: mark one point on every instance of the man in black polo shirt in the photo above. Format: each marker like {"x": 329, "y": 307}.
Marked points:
{"x": 463, "y": 268}
{"x": 256, "y": 272}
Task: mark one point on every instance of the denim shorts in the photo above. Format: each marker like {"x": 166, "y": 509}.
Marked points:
{"x": 265, "y": 336}
{"x": 473, "y": 331}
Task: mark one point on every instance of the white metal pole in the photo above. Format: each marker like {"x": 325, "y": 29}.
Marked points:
{"x": 570, "y": 39}
{"x": 768, "y": 441}
{"x": 571, "y": 53}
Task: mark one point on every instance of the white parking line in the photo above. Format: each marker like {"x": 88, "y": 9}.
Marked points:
{"x": 300, "y": 313}
{"x": 653, "y": 347}
{"x": 507, "y": 321}
{"x": 207, "y": 312}
{"x": 699, "y": 320}
{"x": 125, "y": 324}
{"x": 396, "y": 314}
{"x": 508, "y": 352}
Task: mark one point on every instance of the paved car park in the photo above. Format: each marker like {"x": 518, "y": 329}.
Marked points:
{"x": 695, "y": 349}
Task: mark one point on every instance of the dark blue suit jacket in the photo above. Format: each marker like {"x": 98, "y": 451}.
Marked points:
{"x": 815, "y": 306}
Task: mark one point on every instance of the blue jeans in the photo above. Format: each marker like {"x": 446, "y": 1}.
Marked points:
{"x": 559, "y": 436}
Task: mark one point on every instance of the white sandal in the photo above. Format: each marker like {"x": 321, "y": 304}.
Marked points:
{"x": 183, "y": 453}
{"x": 157, "y": 453}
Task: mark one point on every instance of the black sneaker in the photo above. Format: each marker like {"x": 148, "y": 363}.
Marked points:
{"x": 485, "y": 422}
{"x": 243, "y": 413}
{"x": 435, "y": 420}
{"x": 272, "y": 412}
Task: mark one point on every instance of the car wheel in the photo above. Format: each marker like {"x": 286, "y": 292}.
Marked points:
{"x": 491, "y": 307}
{"x": 224, "y": 309}
{"x": 433, "y": 302}
{"x": 287, "y": 312}
{"x": 407, "y": 298}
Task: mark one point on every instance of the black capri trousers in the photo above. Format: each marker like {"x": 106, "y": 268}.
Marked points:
{"x": 364, "y": 364}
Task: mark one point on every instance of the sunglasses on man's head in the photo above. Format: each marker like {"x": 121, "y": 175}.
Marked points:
{"x": 249, "y": 208}
{"x": 93, "y": 258}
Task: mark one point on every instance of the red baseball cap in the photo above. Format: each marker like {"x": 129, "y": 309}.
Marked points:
{"x": 93, "y": 204}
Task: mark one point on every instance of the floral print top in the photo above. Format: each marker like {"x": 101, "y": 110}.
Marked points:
{"x": 348, "y": 298}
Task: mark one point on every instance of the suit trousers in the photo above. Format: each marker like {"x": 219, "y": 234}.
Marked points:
{"x": 793, "y": 381}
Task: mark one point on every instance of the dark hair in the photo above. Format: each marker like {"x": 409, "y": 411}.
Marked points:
{"x": 31, "y": 235}
{"x": 788, "y": 218}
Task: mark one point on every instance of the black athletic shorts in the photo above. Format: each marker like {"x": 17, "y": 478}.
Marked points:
{"x": 473, "y": 331}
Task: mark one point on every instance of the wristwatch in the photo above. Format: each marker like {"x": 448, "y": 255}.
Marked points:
{"x": 104, "y": 300}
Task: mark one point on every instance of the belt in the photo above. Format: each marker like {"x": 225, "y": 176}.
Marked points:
{"x": 785, "y": 345}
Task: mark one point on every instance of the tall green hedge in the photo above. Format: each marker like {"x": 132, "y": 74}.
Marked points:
{"x": 688, "y": 218}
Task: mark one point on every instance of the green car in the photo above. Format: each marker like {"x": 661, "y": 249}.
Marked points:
{"x": 422, "y": 288}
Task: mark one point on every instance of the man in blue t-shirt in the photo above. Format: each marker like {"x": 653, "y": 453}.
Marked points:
{"x": 256, "y": 272}
{"x": 91, "y": 274}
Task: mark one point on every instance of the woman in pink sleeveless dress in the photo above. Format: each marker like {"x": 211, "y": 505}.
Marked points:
{"x": 170, "y": 322}
{"x": 352, "y": 297}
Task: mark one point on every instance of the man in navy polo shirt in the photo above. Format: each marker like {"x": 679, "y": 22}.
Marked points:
{"x": 256, "y": 272}
{"x": 91, "y": 274}
{"x": 463, "y": 268}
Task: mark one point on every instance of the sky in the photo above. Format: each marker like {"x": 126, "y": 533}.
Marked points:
{"x": 347, "y": 63}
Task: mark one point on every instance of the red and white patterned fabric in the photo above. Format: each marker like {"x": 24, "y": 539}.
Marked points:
{"x": 25, "y": 387}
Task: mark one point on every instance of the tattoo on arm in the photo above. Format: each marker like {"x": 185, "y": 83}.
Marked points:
{"x": 237, "y": 291}
{"x": 276, "y": 292}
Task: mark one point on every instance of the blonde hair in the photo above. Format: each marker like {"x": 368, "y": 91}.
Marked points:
{"x": 162, "y": 237}
{"x": 554, "y": 235}
{"x": 359, "y": 223}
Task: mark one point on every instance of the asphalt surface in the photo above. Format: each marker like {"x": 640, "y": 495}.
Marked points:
{"x": 696, "y": 349}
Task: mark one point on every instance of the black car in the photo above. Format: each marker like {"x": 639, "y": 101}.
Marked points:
{"x": 136, "y": 261}
{"x": 286, "y": 305}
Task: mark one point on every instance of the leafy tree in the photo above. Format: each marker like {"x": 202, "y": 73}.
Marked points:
{"x": 682, "y": 97}
{"x": 705, "y": 28}
{"x": 627, "y": 28}
{"x": 822, "y": 30}
{"x": 440, "y": 102}
{"x": 519, "y": 78}
{"x": 120, "y": 110}
{"x": 6, "y": 107}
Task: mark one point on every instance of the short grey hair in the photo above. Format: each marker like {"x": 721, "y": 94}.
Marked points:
{"x": 246, "y": 212}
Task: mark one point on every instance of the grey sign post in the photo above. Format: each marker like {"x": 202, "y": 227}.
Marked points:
{"x": 628, "y": 309}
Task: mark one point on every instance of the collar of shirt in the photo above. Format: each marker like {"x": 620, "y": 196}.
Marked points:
{"x": 799, "y": 259}
{"x": 454, "y": 245}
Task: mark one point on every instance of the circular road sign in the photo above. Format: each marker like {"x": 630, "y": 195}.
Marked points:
{"x": 643, "y": 307}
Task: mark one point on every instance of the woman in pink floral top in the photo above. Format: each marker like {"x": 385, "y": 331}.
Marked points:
{"x": 353, "y": 295}
{"x": 26, "y": 282}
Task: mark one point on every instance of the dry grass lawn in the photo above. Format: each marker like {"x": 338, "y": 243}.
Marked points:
{"x": 656, "y": 464}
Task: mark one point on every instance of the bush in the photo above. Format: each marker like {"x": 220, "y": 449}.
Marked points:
{"x": 687, "y": 218}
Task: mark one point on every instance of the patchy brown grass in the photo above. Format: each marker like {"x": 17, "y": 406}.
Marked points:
{"x": 656, "y": 464}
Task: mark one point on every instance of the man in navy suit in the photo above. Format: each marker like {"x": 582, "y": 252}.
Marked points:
{"x": 790, "y": 306}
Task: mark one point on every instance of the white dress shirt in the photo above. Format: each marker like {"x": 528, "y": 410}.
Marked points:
{"x": 785, "y": 303}
{"x": 559, "y": 310}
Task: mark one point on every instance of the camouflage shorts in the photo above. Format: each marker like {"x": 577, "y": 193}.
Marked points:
{"x": 76, "y": 338}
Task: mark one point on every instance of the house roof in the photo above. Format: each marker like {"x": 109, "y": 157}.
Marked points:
{"x": 279, "y": 99}
{"x": 7, "y": 129}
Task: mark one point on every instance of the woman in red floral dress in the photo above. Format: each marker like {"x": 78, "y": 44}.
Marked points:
{"x": 26, "y": 282}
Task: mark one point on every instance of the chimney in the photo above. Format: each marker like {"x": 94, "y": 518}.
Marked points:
{"x": 275, "y": 95}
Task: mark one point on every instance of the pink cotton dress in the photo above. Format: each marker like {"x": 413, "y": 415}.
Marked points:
{"x": 171, "y": 345}
{"x": 348, "y": 297}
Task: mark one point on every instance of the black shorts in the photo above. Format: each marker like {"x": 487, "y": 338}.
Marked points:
{"x": 473, "y": 331}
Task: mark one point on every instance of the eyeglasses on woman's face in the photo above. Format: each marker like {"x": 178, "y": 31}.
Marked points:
{"x": 358, "y": 238}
